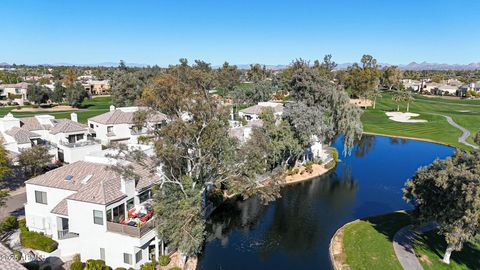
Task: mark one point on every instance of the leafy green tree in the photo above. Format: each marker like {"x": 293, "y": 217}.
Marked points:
{"x": 477, "y": 138}
{"x": 70, "y": 77}
{"x": 325, "y": 68}
{"x": 37, "y": 94}
{"x": 34, "y": 159}
{"x": 260, "y": 91}
{"x": 4, "y": 171}
{"x": 332, "y": 104}
{"x": 447, "y": 192}
{"x": 75, "y": 94}
{"x": 363, "y": 78}
{"x": 228, "y": 77}
{"x": 391, "y": 77}
{"x": 58, "y": 94}
{"x": 257, "y": 73}
{"x": 126, "y": 88}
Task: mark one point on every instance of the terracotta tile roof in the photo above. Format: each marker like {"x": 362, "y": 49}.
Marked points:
{"x": 257, "y": 109}
{"x": 21, "y": 135}
{"x": 93, "y": 182}
{"x": 8, "y": 261}
{"x": 61, "y": 208}
{"x": 120, "y": 117}
{"x": 67, "y": 126}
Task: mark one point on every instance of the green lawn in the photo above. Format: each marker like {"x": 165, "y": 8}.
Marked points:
{"x": 90, "y": 108}
{"x": 367, "y": 243}
{"x": 430, "y": 248}
{"x": 465, "y": 112}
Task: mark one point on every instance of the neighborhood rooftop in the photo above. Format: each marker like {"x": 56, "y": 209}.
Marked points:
{"x": 125, "y": 116}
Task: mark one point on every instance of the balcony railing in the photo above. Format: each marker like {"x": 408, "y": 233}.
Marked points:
{"x": 133, "y": 231}
{"x": 65, "y": 234}
{"x": 80, "y": 143}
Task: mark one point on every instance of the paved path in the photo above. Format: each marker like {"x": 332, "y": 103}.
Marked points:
{"x": 465, "y": 135}
{"x": 14, "y": 205}
{"x": 402, "y": 244}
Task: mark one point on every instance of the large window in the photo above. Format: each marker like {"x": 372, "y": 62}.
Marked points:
{"x": 130, "y": 204}
{"x": 138, "y": 256}
{"x": 127, "y": 258}
{"x": 98, "y": 217}
{"x": 40, "y": 197}
{"x": 119, "y": 213}
{"x": 144, "y": 196}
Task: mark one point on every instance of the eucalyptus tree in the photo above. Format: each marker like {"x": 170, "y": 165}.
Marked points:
{"x": 126, "y": 88}
{"x": 75, "y": 94}
{"x": 330, "y": 103}
{"x": 37, "y": 93}
{"x": 58, "y": 93}
{"x": 364, "y": 77}
{"x": 391, "y": 77}
{"x": 260, "y": 91}
{"x": 227, "y": 77}
{"x": 447, "y": 192}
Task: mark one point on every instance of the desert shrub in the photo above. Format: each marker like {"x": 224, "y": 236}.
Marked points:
{"x": 120, "y": 268}
{"x": 175, "y": 268}
{"x": 334, "y": 152}
{"x": 309, "y": 167}
{"x": 36, "y": 240}
{"x": 96, "y": 265}
{"x": 26, "y": 103}
{"x": 35, "y": 106}
{"x": 9, "y": 223}
{"x": 76, "y": 258}
{"x": 19, "y": 108}
{"x": 76, "y": 265}
{"x": 164, "y": 260}
{"x": 151, "y": 265}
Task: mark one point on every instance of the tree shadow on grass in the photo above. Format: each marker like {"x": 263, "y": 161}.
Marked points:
{"x": 389, "y": 224}
{"x": 469, "y": 256}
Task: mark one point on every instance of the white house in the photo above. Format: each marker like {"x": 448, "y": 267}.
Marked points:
{"x": 16, "y": 92}
{"x": 68, "y": 140}
{"x": 91, "y": 210}
{"x": 118, "y": 124}
{"x": 253, "y": 112}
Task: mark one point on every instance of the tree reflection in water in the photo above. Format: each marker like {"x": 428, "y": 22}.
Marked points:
{"x": 297, "y": 222}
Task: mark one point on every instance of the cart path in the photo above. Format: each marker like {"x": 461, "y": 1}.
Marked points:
{"x": 403, "y": 246}
{"x": 466, "y": 133}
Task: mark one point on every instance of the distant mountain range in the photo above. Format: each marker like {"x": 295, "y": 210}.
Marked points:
{"x": 410, "y": 66}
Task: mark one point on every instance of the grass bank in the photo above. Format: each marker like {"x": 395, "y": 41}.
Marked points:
{"x": 367, "y": 243}
{"x": 430, "y": 248}
{"x": 464, "y": 112}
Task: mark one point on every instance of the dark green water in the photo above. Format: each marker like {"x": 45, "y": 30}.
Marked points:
{"x": 294, "y": 231}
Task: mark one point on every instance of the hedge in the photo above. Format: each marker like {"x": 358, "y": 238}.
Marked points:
{"x": 36, "y": 240}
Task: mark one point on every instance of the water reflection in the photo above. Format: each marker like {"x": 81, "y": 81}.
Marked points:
{"x": 294, "y": 231}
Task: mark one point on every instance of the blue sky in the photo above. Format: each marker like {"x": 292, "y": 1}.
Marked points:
{"x": 238, "y": 31}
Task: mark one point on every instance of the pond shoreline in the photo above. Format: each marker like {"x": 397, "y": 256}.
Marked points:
{"x": 408, "y": 138}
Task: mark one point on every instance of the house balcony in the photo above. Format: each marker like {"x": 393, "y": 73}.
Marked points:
{"x": 82, "y": 143}
{"x": 132, "y": 228}
{"x": 66, "y": 234}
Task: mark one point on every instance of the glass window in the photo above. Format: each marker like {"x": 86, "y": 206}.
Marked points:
{"x": 144, "y": 196}
{"x": 119, "y": 213}
{"x": 110, "y": 129}
{"x": 102, "y": 254}
{"x": 138, "y": 256}
{"x": 91, "y": 125}
{"x": 130, "y": 204}
{"x": 127, "y": 258}
{"x": 109, "y": 215}
{"x": 98, "y": 217}
{"x": 40, "y": 197}
{"x": 79, "y": 137}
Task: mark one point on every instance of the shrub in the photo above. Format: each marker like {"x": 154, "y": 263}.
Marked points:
{"x": 96, "y": 265}
{"x": 35, "y": 240}
{"x": 76, "y": 265}
{"x": 309, "y": 167}
{"x": 32, "y": 265}
{"x": 216, "y": 197}
{"x": 175, "y": 268}
{"x": 26, "y": 103}
{"x": 9, "y": 223}
{"x": 35, "y": 106}
{"x": 334, "y": 152}
{"x": 19, "y": 107}
{"x": 149, "y": 265}
{"x": 76, "y": 258}
{"x": 120, "y": 268}
{"x": 164, "y": 260}
{"x": 17, "y": 254}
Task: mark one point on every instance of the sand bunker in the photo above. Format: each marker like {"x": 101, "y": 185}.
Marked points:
{"x": 404, "y": 117}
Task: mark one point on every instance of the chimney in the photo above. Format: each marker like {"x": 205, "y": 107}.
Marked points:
{"x": 74, "y": 117}
{"x": 127, "y": 186}
{"x": 112, "y": 108}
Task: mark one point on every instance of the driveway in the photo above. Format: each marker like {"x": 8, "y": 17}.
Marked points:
{"x": 14, "y": 205}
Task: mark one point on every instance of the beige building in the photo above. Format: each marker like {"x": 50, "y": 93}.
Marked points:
{"x": 98, "y": 87}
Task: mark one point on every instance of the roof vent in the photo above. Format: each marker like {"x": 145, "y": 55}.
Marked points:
{"x": 69, "y": 177}
{"x": 85, "y": 180}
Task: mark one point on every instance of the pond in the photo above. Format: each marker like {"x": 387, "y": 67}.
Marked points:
{"x": 294, "y": 231}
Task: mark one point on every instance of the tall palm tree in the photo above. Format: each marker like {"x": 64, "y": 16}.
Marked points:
{"x": 408, "y": 96}
{"x": 398, "y": 96}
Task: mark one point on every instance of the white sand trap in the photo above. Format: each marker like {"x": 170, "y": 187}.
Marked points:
{"x": 404, "y": 117}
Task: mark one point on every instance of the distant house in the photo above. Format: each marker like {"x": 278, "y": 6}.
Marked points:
{"x": 97, "y": 87}
{"x": 15, "y": 92}
{"x": 118, "y": 124}
{"x": 254, "y": 112}
{"x": 413, "y": 85}
{"x": 67, "y": 140}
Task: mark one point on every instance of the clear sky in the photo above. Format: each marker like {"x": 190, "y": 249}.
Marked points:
{"x": 239, "y": 31}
